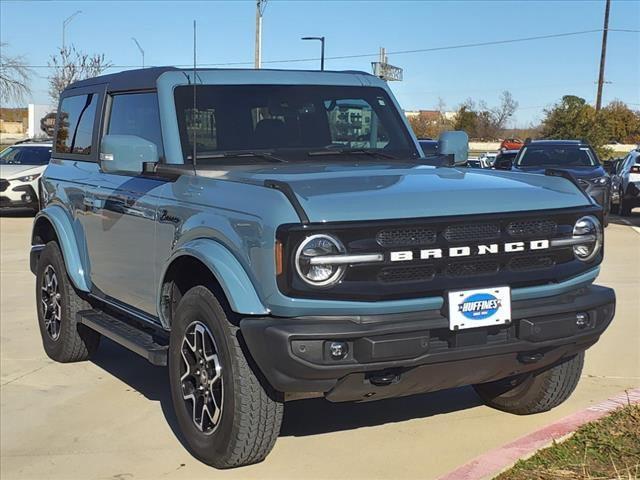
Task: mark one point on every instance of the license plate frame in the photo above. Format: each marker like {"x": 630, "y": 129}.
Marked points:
{"x": 479, "y": 307}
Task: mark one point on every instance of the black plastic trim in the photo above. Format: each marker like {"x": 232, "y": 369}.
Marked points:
{"x": 288, "y": 192}
{"x": 271, "y": 341}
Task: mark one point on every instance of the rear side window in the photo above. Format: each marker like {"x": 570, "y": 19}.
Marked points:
{"x": 136, "y": 114}
{"x": 75, "y": 128}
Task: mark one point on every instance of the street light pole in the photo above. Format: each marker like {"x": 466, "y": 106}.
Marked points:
{"x": 65, "y": 23}
{"x": 139, "y": 48}
{"x": 321, "y": 49}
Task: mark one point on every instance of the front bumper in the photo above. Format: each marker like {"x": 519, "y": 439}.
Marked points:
{"x": 402, "y": 354}
{"x": 21, "y": 195}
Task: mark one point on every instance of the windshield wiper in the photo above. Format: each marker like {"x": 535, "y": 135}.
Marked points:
{"x": 222, "y": 155}
{"x": 355, "y": 151}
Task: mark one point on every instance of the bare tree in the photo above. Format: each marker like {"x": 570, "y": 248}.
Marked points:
{"x": 71, "y": 65}
{"x": 15, "y": 77}
{"x": 502, "y": 113}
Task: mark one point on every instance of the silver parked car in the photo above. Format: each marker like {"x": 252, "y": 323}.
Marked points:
{"x": 625, "y": 184}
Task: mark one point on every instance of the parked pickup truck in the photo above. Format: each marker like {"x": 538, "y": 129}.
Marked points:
{"x": 275, "y": 235}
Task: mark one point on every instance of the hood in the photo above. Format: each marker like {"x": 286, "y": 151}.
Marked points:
{"x": 341, "y": 192}
{"x": 585, "y": 173}
{"x": 11, "y": 171}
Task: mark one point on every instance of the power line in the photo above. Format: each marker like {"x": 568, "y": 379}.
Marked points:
{"x": 397, "y": 52}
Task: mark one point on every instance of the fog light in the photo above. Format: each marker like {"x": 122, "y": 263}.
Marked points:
{"x": 582, "y": 319}
{"x": 338, "y": 350}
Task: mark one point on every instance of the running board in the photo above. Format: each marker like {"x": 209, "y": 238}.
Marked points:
{"x": 125, "y": 334}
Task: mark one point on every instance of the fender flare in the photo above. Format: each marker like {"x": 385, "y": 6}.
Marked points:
{"x": 225, "y": 267}
{"x": 63, "y": 227}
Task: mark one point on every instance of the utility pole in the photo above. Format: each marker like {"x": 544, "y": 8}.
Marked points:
{"x": 139, "y": 48}
{"x": 65, "y": 23}
{"x": 603, "y": 54}
{"x": 260, "y": 6}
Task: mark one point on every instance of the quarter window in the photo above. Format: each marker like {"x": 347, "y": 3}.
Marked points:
{"x": 136, "y": 114}
{"x": 75, "y": 128}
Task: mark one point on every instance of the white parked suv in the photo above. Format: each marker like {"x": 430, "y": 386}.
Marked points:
{"x": 20, "y": 168}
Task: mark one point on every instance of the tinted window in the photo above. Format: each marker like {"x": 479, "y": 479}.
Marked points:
{"x": 291, "y": 119}
{"x": 25, "y": 156}
{"x": 136, "y": 114}
{"x": 76, "y": 119}
{"x": 554, "y": 155}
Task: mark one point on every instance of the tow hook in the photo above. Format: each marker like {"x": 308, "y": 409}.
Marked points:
{"x": 384, "y": 379}
{"x": 530, "y": 357}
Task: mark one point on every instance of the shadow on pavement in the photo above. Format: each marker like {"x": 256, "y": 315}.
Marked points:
{"x": 151, "y": 381}
{"x": 301, "y": 417}
{"x": 633, "y": 219}
{"x": 315, "y": 416}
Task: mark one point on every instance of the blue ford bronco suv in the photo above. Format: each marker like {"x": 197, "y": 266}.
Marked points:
{"x": 276, "y": 235}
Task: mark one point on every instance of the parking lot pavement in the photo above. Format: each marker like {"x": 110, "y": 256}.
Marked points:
{"x": 111, "y": 417}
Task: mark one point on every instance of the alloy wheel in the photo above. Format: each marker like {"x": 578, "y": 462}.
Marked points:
{"x": 50, "y": 302}
{"x": 201, "y": 377}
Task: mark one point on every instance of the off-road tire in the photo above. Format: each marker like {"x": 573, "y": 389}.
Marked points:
{"x": 75, "y": 341}
{"x": 534, "y": 393}
{"x": 251, "y": 415}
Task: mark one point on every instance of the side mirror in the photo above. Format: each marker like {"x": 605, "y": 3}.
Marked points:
{"x": 503, "y": 163}
{"x": 456, "y": 145}
{"x": 126, "y": 154}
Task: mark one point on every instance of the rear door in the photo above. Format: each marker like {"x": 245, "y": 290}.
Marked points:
{"x": 121, "y": 213}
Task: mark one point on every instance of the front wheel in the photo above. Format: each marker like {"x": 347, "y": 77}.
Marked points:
{"x": 226, "y": 415}
{"x": 535, "y": 392}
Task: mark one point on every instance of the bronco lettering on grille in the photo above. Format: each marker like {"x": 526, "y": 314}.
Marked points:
{"x": 489, "y": 249}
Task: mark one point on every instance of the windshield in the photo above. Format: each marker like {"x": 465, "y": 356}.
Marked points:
{"x": 25, "y": 156}
{"x": 554, "y": 155}
{"x": 289, "y": 121}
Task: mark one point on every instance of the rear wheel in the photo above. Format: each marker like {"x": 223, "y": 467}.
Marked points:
{"x": 536, "y": 392}
{"x": 226, "y": 415}
{"x": 64, "y": 339}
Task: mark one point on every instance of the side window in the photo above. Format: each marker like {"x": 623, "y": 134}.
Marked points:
{"x": 136, "y": 114}
{"x": 76, "y": 120}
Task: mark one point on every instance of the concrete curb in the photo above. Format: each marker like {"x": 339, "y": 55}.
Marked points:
{"x": 496, "y": 461}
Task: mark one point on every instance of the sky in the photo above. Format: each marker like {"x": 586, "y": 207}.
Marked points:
{"x": 538, "y": 73}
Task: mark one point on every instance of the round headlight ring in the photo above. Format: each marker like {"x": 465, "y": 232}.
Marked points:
{"x": 337, "y": 271}
{"x": 588, "y": 225}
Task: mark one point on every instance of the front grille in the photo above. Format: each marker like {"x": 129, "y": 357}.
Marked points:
{"x": 472, "y": 268}
{"x": 399, "y": 237}
{"x": 531, "y": 228}
{"x": 407, "y": 274}
{"x": 4, "y": 184}
{"x": 472, "y": 232}
{"x": 430, "y": 256}
{"x": 532, "y": 262}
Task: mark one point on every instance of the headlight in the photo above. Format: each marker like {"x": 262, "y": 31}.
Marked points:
{"x": 600, "y": 180}
{"x": 319, "y": 275}
{"x": 589, "y": 228}
{"x": 28, "y": 178}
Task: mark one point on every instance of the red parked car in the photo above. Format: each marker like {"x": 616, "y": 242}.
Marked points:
{"x": 511, "y": 144}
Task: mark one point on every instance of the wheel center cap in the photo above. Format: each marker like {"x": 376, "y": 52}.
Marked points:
{"x": 204, "y": 377}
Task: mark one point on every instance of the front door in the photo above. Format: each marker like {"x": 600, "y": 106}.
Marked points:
{"x": 120, "y": 216}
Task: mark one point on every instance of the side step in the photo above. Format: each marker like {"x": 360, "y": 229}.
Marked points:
{"x": 127, "y": 335}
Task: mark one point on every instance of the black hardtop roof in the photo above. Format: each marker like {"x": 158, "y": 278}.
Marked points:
{"x": 145, "y": 78}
